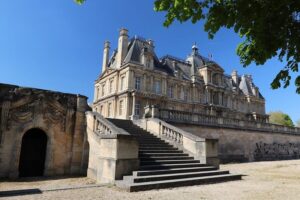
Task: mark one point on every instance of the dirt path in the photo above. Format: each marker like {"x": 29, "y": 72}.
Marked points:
{"x": 264, "y": 180}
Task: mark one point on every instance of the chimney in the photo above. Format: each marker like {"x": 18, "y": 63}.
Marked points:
{"x": 105, "y": 55}
{"x": 235, "y": 77}
{"x": 151, "y": 44}
{"x": 122, "y": 46}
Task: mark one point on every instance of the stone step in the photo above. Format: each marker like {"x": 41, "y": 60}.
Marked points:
{"x": 152, "y": 158}
{"x": 161, "y": 177}
{"x": 150, "y": 139}
{"x": 143, "y": 142}
{"x": 155, "y": 145}
{"x": 171, "y": 171}
{"x": 162, "y": 154}
{"x": 171, "y": 166}
{"x": 133, "y": 187}
{"x": 162, "y": 165}
{"x": 159, "y": 162}
{"x": 157, "y": 148}
{"x": 147, "y": 152}
{"x": 160, "y": 151}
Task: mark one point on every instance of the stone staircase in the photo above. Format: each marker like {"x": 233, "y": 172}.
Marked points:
{"x": 164, "y": 166}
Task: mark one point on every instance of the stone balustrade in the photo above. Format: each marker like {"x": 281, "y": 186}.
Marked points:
{"x": 203, "y": 119}
{"x": 113, "y": 151}
{"x": 102, "y": 127}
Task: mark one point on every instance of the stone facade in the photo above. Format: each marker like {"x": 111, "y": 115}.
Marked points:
{"x": 134, "y": 77}
{"x": 26, "y": 114}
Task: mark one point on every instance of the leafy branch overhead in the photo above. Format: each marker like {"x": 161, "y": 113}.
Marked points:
{"x": 269, "y": 28}
{"x": 79, "y": 1}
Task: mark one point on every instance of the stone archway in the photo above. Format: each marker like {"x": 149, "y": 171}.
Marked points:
{"x": 33, "y": 153}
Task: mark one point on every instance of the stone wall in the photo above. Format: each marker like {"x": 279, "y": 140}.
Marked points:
{"x": 60, "y": 116}
{"x": 243, "y": 145}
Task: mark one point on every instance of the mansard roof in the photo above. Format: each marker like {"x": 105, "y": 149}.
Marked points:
{"x": 187, "y": 69}
{"x": 247, "y": 86}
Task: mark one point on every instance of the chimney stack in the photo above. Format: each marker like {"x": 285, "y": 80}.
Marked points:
{"x": 235, "y": 77}
{"x": 105, "y": 55}
{"x": 122, "y": 46}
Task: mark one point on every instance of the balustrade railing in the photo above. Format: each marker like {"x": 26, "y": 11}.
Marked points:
{"x": 102, "y": 126}
{"x": 171, "y": 134}
{"x": 203, "y": 119}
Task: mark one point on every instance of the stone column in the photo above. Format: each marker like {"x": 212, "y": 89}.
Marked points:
{"x": 133, "y": 107}
{"x": 151, "y": 83}
{"x": 130, "y": 80}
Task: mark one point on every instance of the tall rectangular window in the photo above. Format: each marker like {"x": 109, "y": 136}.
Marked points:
{"x": 186, "y": 94}
{"x": 170, "y": 92}
{"x": 138, "y": 83}
{"x": 122, "y": 83}
{"x": 121, "y": 107}
{"x": 137, "y": 108}
{"x": 157, "y": 87}
{"x": 111, "y": 86}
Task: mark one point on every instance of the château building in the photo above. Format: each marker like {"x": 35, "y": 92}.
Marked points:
{"x": 134, "y": 77}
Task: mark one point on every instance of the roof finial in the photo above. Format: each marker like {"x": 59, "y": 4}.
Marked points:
{"x": 195, "y": 48}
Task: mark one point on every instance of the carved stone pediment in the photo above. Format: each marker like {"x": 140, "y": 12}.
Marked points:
{"x": 25, "y": 104}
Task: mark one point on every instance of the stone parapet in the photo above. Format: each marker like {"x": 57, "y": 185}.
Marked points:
{"x": 175, "y": 116}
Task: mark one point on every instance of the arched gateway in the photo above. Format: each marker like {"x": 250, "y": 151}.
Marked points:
{"x": 33, "y": 153}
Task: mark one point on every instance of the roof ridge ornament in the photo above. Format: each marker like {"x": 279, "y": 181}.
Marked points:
{"x": 195, "y": 49}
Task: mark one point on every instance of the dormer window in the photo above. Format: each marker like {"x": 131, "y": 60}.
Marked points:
{"x": 147, "y": 63}
{"x": 215, "y": 79}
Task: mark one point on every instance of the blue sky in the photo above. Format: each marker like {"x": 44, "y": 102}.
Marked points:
{"x": 57, "y": 45}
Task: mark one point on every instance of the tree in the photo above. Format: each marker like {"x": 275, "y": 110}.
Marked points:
{"x": 280, "y": 118}
{"x": 269, "y": 28}
{"x": 79, "y": 1}
{"x": 298, "y": 123}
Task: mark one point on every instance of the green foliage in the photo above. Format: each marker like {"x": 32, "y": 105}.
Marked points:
{"x": 269, "y": 28}
{"x": 280, "y": 118}
{"x": 79, "y": 1}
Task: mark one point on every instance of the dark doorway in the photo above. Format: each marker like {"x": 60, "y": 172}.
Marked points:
{"x": 33, "y": 153}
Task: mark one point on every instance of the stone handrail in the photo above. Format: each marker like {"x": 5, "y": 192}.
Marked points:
{"x": 103, "y": 127}
{"x": 175, "y": 134}
{"x": 203, "y": 119}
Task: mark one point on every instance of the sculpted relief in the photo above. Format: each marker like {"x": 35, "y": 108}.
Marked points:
{"x": 19, "y": 106}
{"x": 274, "y": 151}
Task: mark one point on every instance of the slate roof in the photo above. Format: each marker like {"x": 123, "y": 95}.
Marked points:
{"x": 186, "y": 68}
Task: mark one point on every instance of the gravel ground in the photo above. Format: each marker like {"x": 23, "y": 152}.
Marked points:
{"x": 263, "y": 180}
